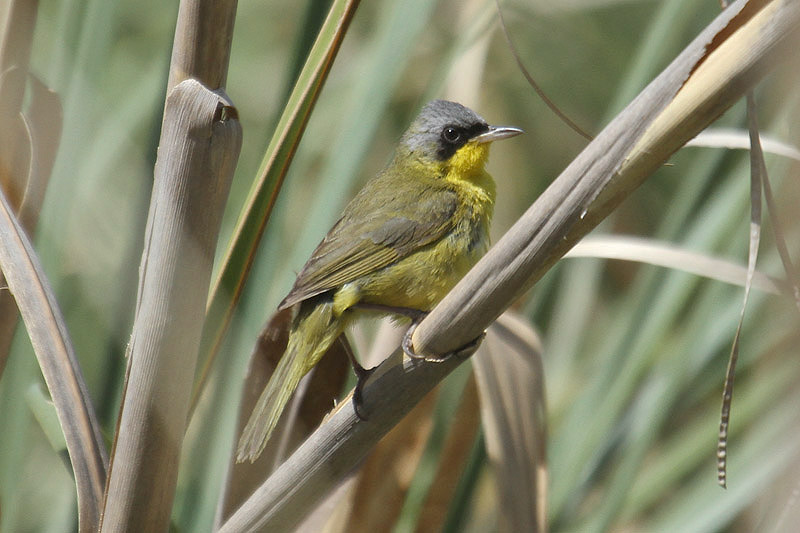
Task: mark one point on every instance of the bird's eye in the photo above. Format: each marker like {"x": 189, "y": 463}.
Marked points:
{"x": 451, "y": 135}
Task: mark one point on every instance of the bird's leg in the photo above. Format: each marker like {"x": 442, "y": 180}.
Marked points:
{"x": 361, "y": 378}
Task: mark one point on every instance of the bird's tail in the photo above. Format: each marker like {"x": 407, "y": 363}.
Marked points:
{"x": 314, "y": 330}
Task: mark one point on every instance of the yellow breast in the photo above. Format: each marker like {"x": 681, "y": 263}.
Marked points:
{"x": 421, "y": 279}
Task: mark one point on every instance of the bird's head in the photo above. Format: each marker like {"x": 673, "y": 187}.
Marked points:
{"x": 449, "y": 135}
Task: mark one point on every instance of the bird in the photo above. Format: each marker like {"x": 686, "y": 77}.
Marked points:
{"x": 406, "y": 238}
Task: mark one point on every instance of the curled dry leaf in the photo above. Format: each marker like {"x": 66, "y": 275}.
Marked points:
{"x": 56, "y": 356}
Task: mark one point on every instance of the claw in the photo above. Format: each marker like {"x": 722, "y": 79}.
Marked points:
{"x": 407, "y": 344}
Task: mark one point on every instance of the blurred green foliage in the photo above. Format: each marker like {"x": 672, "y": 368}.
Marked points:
{"x": 634, "y": 355}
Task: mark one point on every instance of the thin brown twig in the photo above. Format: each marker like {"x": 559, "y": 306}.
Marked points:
{"x": 792, "y": 277}
{"x": 539, "y": 91}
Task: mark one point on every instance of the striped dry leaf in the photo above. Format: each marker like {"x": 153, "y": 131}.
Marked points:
{"x": 511, "y": 382}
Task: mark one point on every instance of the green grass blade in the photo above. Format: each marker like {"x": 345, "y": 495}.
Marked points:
{"x": 228, "y": 285}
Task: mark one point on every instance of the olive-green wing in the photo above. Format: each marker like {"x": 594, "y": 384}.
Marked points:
{"x": 361, "y": 243}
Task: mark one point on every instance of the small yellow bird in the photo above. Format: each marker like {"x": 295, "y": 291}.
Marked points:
{"x": 400, "y": 245}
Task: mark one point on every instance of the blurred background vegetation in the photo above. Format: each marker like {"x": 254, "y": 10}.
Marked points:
{"x": 634, "y": 355}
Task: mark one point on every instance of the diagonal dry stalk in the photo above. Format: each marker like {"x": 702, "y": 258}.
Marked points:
{"x": 731, "y": 54}
{"x": 714, "y": 71}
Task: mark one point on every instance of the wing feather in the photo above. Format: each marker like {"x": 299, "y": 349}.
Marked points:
{"x": 399, "y": 223}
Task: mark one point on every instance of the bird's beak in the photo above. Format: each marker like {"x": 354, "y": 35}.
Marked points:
{"x": 496, "y": 133}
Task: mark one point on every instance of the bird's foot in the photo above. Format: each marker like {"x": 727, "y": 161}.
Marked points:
{"x": 462, "y": 352}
